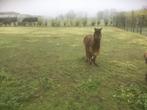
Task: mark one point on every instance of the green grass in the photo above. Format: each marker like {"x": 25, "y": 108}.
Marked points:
{"x": 45, "y": 69}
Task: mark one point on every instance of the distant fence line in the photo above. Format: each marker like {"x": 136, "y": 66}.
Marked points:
{"x": 131, "y": 21}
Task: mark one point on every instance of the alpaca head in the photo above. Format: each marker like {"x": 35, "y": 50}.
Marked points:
{"x": 97, "y": 33}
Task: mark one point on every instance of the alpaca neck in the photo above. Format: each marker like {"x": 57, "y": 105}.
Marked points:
{"x": 96, "y": 43}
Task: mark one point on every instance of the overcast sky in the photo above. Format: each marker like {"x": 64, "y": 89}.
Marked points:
{"x": 56, "y": 7}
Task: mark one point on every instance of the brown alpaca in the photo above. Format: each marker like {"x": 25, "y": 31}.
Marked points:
{"x": 92, "y": 45}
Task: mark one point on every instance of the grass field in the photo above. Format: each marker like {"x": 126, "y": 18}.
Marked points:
{"x": 45, "y": 69}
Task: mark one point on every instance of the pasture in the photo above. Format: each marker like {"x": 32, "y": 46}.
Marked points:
{"x": 45, "y": 69}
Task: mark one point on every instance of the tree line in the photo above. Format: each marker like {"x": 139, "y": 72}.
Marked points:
{"x": 134, "y": 21}
{"x": 53, "y": 22}
{"x": 68, "y": 20}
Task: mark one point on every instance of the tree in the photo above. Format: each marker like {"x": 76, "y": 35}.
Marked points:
{"x": 8, "y": 20}
{"x": 30, "y": 20}
{"x": 84, "y": 21}
{"x": 106, "y": 22}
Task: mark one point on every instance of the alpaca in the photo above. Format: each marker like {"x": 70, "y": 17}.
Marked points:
{"x": 92, "y": 45}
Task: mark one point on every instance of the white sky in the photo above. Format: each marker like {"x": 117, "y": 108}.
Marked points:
{"x": 56, "y": 7}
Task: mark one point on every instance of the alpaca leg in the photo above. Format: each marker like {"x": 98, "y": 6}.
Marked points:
{"x": 87, "y": 56}
{"x": 94, "y": 59}
{"x": 90, "y": 60}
